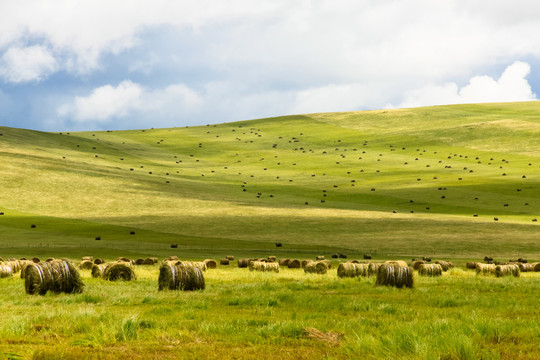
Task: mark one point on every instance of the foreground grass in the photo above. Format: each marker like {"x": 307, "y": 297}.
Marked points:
{"x": 245, "y": 315}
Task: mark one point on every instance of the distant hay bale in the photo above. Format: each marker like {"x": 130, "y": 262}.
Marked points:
{"x": 15, "y": 265}
{"x": 99, "y": 261}
{"x": 294, "y": 264}
{"x": 373, "y": 269}
{"x": 49, "y": 259}
{"x": 98, "y": 269}
{"x": 119, "y": 270}
{"x": 172, "y": 258}
{"x": 86, "y": 265}
{"x": 446, "y": 265}
{"x": 342, "y": 256}
{"x": 320, "y": 257}
{"x": 471, "y": 265}
{"x": 350, "y": 269}
{"x": 335, "y": 256}
{"x": 124, "y": 259}
{"x": 278, "y": 244}
{"x": 56, "y": 276}
{"x": 488, "y": 258}
{"x": 229, "y": 257}
{"x": 526, "y": 267}
{"x": 243, "y": 263}
{"x": 210, "y": 263}
{"x": 139, "y": 261}
{"x": 89, "y": 258}
{"x": 397, "y": 262}
{"x": 149, "y": 261}
{"x": 305, "y": 262}
{"x": 224, "y": 262}
{"x": 507, "y": 270}
{"x": 316, "y": 267}
{"x": 263, "y": 266}
{"x": 5, "y": 271}
{"x": 35, "y": 260}
{"x": 201, "y": 265}
{"x": 367, "y": 256}
{"x": 430, "y": 270}
{"x": 416, "y": 264}
{"x": 537, "y": 267}
{"x": 393, "y": 273}
{"x": 272, "y": 258}
{"x": 180, "y": 275}
{"x": 328, "y": 263}
{"x": 284, "y": 262}
{"x": 485, "y": 269}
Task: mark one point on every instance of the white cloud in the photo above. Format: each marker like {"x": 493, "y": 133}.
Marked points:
{"x": 33, "y": 63}
{"x": 511, "y": 86}
{"x": 130, "y": 100}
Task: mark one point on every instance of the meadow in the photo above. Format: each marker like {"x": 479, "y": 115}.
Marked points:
{"x": 453, "y": 183}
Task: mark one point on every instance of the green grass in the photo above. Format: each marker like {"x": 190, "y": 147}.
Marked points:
{"x": 244, "y": 314}
{"x": 75, "y": 186}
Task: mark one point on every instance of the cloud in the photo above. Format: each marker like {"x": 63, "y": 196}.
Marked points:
{"x": 130, "y": 100}
{"x": 511, "y": 86}
{"x": 33, "y": 63}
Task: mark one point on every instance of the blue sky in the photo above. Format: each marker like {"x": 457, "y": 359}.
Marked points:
{"x": 96, "y": 65}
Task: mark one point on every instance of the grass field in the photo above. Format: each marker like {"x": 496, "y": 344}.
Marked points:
{"x": 393, "y": 183}
{"x": 450, "y": 182}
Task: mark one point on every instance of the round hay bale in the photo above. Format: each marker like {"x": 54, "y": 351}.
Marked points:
{"x": 201, "y": 265}
{"x": 229, "y": 257}
{"x": 278, "y": 244}
{"x": 526, "y": 267}
{"x": 485, "y": 269}
{"x": 224, "y": 262}
{"x": 367, "y": 256}
{"x": 342, "y": 256}
{"x": 284, "y": 262}
{"x": 24, "y": 265}
{"x": 35, "y": 260}
{"x": 537, "y": 267}
{"x": 319, "y": 258}
{"x": 335, "y": 256}
{"x": 305, "y": 262}
{"x": 430, "y": 270}
{"x": 373, "y": 269}
{"x": 5, "y": 271}
{"x": 172, "y": 258}
{"x": 446, "y": 265}
{"x": 86, "y": 265}
{"x": 124, "y": 259}
{"x": 471, "y": 265}
{"x": 327, "y": 263}
{"x": 397, "y": 262}
{"x": 180, "y": 275}
{"x": 56, "y": 276}
{"x": 243, "y": 263}
{"x": 148, "y": 261}
{"x": 272, "y": 258}
{"x": 139, "y": 261}
{"x": 89, "y": 258}
{"x": 15, "y": 265}
{"x": 99, "y": 261}
{"x": 98, "y": 269}
{"x": 316, "y": 267}
{"x": 416, "y": 264}
{"x": 49, "y": 259}
{"x": 507, "y": 270}
{"x": 350, "y": 269}
{"x": 263, "y": 266}
{"x": 488, "y": 258}
{"x": 354, "y": 261}
{"x": 210, "y": 263}
{"x": 119, "y": 270}
{"x": 394, "y": 274}
{"x": 294, "y": 264}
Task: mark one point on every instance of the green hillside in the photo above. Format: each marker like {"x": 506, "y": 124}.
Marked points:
{"x": 395, "y": 183}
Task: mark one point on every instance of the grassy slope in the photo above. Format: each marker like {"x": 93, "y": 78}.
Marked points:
{"x": 80, "y": 185}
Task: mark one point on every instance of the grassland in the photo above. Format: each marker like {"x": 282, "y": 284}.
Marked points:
{"x": 396, "y": 183}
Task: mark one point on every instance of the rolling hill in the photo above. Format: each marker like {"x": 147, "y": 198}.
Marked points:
{"x": 459, "y": 181}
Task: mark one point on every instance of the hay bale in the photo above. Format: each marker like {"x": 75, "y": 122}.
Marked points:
{"x": 446, "y": 265}
{"x": 15, "y": 265}
{"x": 373, "y": 269}
{"x": 243, "y": 263}
{"x": 278, "y": 244}
{"x": 272, "y": 258}
{"x": 319, "y": 258}
{"x": 86, "y": 265}
{"x": 335, "y": 256}
{"x": 524, "y": 267}
{"x": 316, "y": 267}
{"x": 119, "y": 270}
{"x": 488, "y": 258}
{"x": 210, "y": 263}
{"x": 471, "y": 265}
{"x": 149, "y": 261}
{"x": 485, "y": 269}
{"x": 263, "y": 266}
{"x": 430, "y": 270}
{"x": 99, "y": 261}
{"x": 124, "y": 259}
{"x": 139, "y": 261}
{"x": 89, "y": 258}
{"x": 294, "y": 264}
{"x": 342, "y": 256}
{"x": 416, "y": 264}
{"x": 56, "y": 276}
{"x": 393, "y": 273}
{"x": 201, "y": 265}
{"x": 180, "y": 275}
{"x": 35, "y": 260}
{"x": 537, "y": 267}
{"x": 284, "y": 262}
{"x": 350, "y": 269}
{"x": 507, "y": 270}
{"x": 229, "y": 257}
{"x": 305, "y": 262}
{"x": 172, "y": 258}
{"x": 224, "y": 262}
{"x": 49, "y": 259}
{"x": 397, "y": 262}
{"x": 98, "y": 269}
{"x": 24, "y": 265}
{"x": 5, "y": 271}
{"x": 367, "y": 256}
{"x": 328, "y": 263}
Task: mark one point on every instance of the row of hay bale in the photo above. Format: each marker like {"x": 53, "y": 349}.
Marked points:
{"x": 498, "y": 270}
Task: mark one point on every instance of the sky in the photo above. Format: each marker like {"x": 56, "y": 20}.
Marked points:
{"x": 109, "y": 65}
